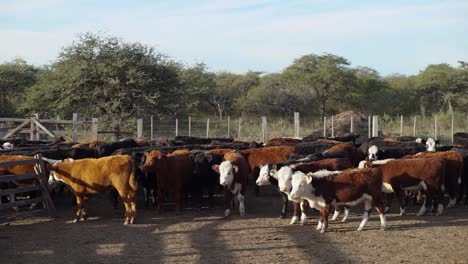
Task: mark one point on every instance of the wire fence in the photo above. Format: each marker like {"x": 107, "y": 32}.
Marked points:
{"x": 441, "y": 126}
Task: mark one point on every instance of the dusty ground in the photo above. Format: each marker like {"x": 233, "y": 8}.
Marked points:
{"x": 202, "y": 236}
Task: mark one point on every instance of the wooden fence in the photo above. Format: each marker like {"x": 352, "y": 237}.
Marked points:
{"x": 39, "y": 184}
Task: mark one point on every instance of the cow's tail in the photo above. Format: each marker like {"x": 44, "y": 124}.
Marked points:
{"x": 133, "y": 181}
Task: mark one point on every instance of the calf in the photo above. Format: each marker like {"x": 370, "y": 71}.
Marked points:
{"x": 453, "y": 171}
{"x": 97, "y": 175}
{"x": 425, "y": 175}
{"x": 261, "y": 156}
{"x": 233, "y": 173}
{"x": 349, "y": 187}
{"x": 354, "y": 154}
{"x": 203, "y": 176}
{"x": 173, "y": 172}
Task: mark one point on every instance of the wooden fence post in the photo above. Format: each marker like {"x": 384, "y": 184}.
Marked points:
{"x": 239, "y": 129}
{"x": 296, "y": 124}
{"x": 401, "y": 126}
{"x": 324, "y": 126}
{"x": 139, "y": 129}
{"x": 94, "y": 129}
{"x": 36, "y": 129}
{"x": 452, "y": 127}
{"x": 414, "y": 127}
{"x": 228, "y": 126}
{"x": 207, "y": 127}
{"x": 375, "y": 126}
{"x": 152, "y": 128}
{"x": 177, "y": 127}
{"x": 369, "y": 129}
{"x": 333, "y": 126}
{"x": 351, "y": 129}
{"x": 264, "y": 130}
{"x": 190, "y": 126}
{"x": 75, "y": 127}
{"x": 435, "y": 127}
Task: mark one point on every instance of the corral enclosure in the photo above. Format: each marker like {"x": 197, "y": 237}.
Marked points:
{"x": 247, "y": 128}
{"x": 203, "y": 236}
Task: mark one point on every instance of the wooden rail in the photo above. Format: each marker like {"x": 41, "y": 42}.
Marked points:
{"x": 39, "y": 179}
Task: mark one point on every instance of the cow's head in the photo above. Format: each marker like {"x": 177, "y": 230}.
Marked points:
{"x": 201, "y": 162}
{"x": 226, "y": 172}
{"x": 264, "y": 175}
{"x": 373, "y": 152}
{"x": 300, "y": 185}
{"x": 430, "y": 145}
{"x": 152, "y": 160}
{"x": 284, "y": 179}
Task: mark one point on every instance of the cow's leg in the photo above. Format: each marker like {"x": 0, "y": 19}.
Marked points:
{"x": 304, "y": 206}
{"x": 379, "y": 206}
{"x": 326, "y": 212}
{"x": 79, "y": 209}
{"x": 297, "y": 210}
{"x": 284, "y": 209}
{"x": 346, "y": 214}
{"x": 114, "y": 198}
{"x": 388, "y": 199}
{"x": 336, "y": 213}
{"x": 320, "y": 221}
{"x": 240, "y": 197}
{"x": 178, "y": 201}
{"x": 146, "y": 197}
{"x": 365, "y": 218}
{"x": 227, "y": 201}
{"x": 84, "y": 211}
{"x": 133, "y": 207}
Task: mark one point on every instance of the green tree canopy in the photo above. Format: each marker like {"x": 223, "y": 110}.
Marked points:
{"x": 106, "y": 77}
{"x": 15, "y": 77}
{"x": 327, "y": 76}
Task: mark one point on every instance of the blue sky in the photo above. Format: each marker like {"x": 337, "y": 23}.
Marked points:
{"x": 237, "y": 36}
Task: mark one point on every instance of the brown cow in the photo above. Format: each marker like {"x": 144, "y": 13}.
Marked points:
{"x": 350, "y": 187}
{"x": 97, "y": 175}
{"x": 258, "y": 157}
{"x": 173, "y": 172}
{"x": 425, "y": 175}
{"x": 453, "y": 171}
{"x": 233, "y": 173}
{"x": 281, "y": 141}
{"x": 355, "y": 155}
{"x": 336, "y": 164}
{"x": 16, "y": 170}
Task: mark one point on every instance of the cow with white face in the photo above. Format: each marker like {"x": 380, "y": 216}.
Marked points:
{"x": 349, "y": 187}
{"x": 430, "y": 145}
{"x": 373, "y": 152}
{"x": 233, "y": 173}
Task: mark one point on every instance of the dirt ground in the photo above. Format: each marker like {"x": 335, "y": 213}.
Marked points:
{"x": 203, "y": 236}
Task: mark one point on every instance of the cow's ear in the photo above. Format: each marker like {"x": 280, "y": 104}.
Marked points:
{"x": 215, "y": 168}
{"x": 209, "y": 157}
{"x": 308, "y": 179}
{"x": 236, "y": 168}
{"x": 273, "y": 172}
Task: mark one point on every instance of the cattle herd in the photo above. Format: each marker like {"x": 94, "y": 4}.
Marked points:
{"x": 318, "y": 173}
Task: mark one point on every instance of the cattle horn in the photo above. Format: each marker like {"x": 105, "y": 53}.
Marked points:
{"x": 50, "y": 161}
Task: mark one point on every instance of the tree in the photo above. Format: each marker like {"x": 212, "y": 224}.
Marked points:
{"x": 370, "y": 93}
{"x": 273, "y": 96}
{"x": 230, "y": 87}
{"x": 437, "y": 86}
{"x": 327, "y": 76}
{"x": 197, "y": 83}
{"x": 15, "y": 77}
{"x": 103, "y": 76}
